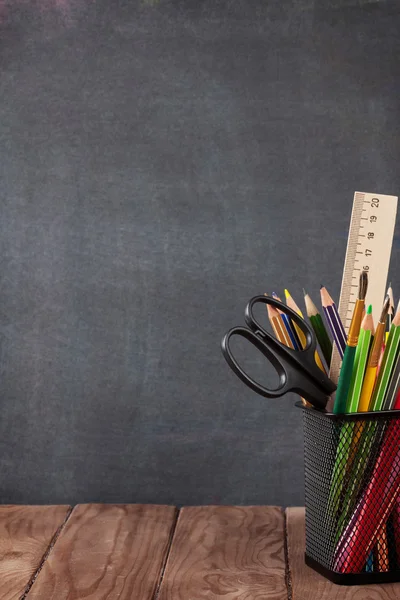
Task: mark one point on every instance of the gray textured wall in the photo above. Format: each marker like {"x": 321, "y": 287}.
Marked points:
{"x": 161, "y": 163}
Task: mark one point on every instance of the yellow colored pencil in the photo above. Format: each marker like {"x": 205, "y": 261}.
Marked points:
{"x": 373, "y": 360}
{"x": 282, "y": 334}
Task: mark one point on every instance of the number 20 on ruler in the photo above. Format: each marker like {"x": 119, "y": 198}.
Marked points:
{"x": 370, "y": 234}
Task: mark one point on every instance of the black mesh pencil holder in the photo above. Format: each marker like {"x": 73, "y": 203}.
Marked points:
{"x": 352, "y": 495}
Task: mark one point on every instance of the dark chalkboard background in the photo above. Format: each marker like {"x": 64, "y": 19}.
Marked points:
{"x": 162, "y": 162}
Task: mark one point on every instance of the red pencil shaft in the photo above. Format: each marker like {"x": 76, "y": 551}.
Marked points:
{"x": 397, "y": 401}
{"x": 374, "y": 506}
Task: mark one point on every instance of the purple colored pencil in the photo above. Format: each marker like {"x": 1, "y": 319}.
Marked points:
{"x": 334, "y": 321}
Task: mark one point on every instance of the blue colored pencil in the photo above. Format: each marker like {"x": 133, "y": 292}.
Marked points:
{"x": 288, "y": 325}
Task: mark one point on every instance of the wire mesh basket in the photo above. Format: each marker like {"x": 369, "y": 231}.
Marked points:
{"x": 352, "y": 495}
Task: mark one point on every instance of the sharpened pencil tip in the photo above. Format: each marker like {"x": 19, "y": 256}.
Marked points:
{"x": 287, "y": 295}
{"x": 304, "y": 292}
{"x": 369, "y": 310}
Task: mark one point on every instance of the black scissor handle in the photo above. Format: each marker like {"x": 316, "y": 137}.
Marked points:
{"x": 255, "y": 339}
{"x": 297, "y": 369}
{"x": 300, "y": 322}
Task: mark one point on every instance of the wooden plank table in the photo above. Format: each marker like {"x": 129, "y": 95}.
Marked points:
{"x": 146, "y": 552}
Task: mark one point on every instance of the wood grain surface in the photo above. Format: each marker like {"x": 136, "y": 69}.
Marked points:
{"x": 309, "y": 585}
{"x": 107, "y": 552}
{"x": 227, "y": 553}
{"x": 26, "y": 533}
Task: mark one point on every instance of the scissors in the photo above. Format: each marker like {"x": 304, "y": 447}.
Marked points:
{"x": 297, "y": 369}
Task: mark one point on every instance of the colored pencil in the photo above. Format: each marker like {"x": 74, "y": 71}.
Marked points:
{"x": 334, "y": 321}
{"x": 396, "y": 526}
{"x": 370, "y": 563}
{"x": 373, "y": 507}
{"x": 392, "y": 401}
{"x": 292, "y": 304}
{"x": 393, "y": 390}
{"x": 347, "y": 443}
{"x": 397, "y": 402}
{"x": 278, "y": 326}
{"x": 368, "y": 432}
{"x": 350, "y": 365}
{"x": 360, "y": 362}
{"x": 319, "y": 328}
{"x": 373, "y": 360}
{"x": 382, "y": 550}
{"x": 391, "y": 309}
{"x": 289, "y": 325}
{"x": 342, "y": 391}
{"x": 301, "y": 335}
{"x": 364, "y": 433}
{"x": 285, "y": 338}
{"x": 388, "y": 361}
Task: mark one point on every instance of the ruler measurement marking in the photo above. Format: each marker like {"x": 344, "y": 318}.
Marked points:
{"x": 368, "y": 247}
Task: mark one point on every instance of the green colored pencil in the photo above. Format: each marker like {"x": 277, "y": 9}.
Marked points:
{"x": 388, "y": 361}
{"x": 345, "y": 446}
{"x": 319, "y": 328}
{"x": 342, "y": 393}
{"x": 393, "y": 388}
{"x": 346, "y": 433}
{"x": 346, "y": 371}
{"x": 360, "y": 362}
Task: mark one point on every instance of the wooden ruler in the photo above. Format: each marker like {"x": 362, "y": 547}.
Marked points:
{"x": 369, "y": 247}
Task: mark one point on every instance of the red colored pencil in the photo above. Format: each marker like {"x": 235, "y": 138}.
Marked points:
{"x": 373, "y": 508}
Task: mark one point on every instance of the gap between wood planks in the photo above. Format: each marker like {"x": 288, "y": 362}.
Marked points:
{"x": 171, "y": 539}
{"x": 45, "y": 556}
{"x": 288, "y": 575}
